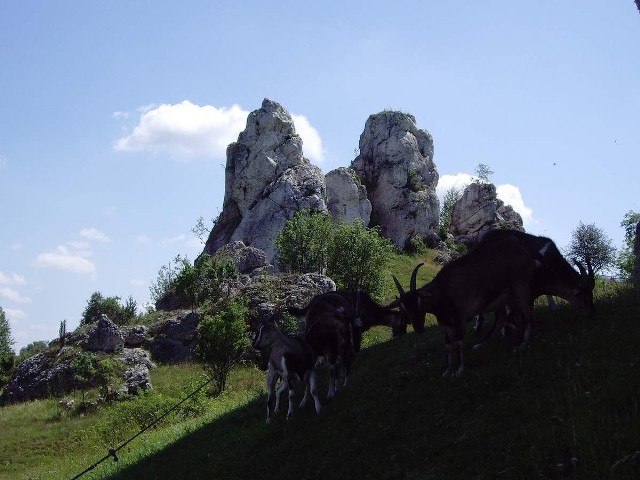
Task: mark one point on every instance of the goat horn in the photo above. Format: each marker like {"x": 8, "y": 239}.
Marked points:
{"x": 413, "y": 277}
{"x": 398, "y": 286}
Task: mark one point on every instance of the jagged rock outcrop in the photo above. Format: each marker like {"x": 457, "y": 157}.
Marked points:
{"x": 270, "y": 294}
{"x": 175, "y": 340}
{"x": 347, "y": 197}
{"x": 39, "y": 376}
{"x": 479, "y": 210}
{"x": 246, "y": 259}
{"x": 396, "y": 166}
{"x": 105, "y": 336}
{"x": 134, "y": 336}
{"x": 52, "y": 373}
{"x": 267, "y": 180}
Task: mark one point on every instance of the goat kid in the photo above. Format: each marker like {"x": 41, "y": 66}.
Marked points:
{"x": 291, "y": 360}
{"x": 486, "y": 279}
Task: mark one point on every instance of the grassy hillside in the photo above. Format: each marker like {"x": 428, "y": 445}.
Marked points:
{"x": 567, "y": 408}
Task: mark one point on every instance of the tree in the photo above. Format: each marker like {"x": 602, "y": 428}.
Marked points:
{"x": 84, "y": 369}
{"x": 450, "y": 198}
{"x": 223, "y": 339}
{"x": 589, "y": 244}
{"x": 357, "y": 258}
{"x": 98, "y": 305}
{"x": 303, "y": 244}
{"x": 483, "y": 172}
{"x": 62, "y": 333}
{"x": 7, "y": 356}
{"x": 167, "y": 276}
{"x": 626, "y": 257}
{"x": 32, "y": 349}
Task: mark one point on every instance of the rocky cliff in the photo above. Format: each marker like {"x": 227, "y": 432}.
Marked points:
{"x": 267, "y": 180}
{"x": 479, "y": 210}
{"x": 396, "y": 166}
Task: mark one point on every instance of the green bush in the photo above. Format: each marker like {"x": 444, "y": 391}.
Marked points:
{"x": 358, "y": 257}
{"x": 223, "y": 339}
{"x": 98, "y": 305}
{"x": 303, "y": 244}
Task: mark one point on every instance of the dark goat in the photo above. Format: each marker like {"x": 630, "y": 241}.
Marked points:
{"x": 291, "y": 359}
{"x": 359, "y": 308}
{"x": 555, "y": 276}
{"x": 333, "y": 331}
{"x": 487, "y": 278}
{"x": 330, "y": 336}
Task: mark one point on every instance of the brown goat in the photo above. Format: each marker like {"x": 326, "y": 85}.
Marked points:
{"x": 486, "y": 279}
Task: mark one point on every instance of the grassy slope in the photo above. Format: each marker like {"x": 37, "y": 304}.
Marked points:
{"x": 574, "y": 393}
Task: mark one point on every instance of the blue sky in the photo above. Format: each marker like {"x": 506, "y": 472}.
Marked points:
{"x": 114, "y": 117}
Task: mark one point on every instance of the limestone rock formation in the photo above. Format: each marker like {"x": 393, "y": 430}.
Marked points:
{"x": 396, "y": 166}
{"x": 175, "y": 340}
{"x": 105, "y": 336}
{"x": 246, "y": 259}
{"x": 267, "y": 180}
{"x": 52, "y": 373}
{"x": 347, "y": 197}
{"x": 479, "y": 210}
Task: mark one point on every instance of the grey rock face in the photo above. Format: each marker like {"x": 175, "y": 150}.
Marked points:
{"x": 175, "y": 340}
{"x": 52, "y": 373}
{"x": 246, "y": 259}
{"x": 134, "y": 336}
{"x": 396, "y": 166}
{"x": 136, "y": 378}
{"x": 39, "y": 376}
{"x": 478, "y": 210}
{"x": 105, "y": 337}
{"x": 347, "y": 197}
{"x": 267, "y": 180}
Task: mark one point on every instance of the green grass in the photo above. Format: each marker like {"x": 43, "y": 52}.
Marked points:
{"x": 573, "y": 394}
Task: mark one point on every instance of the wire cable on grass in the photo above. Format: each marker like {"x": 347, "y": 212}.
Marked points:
{"x": 112, "y": 453}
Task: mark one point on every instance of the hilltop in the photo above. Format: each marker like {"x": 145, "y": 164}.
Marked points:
{"x": 566, "y": 408}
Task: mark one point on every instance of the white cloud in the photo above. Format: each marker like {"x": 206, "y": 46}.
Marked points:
{"x": 13, "y": 296}
{"x": 94, "y": 234}
{"x": 72, "y": 258}
{"x": 15, "y": 247}
{"x": 311, "y": 142}
{"x": 120, "y": 115}
{"x": 185, "y": 130}
{"x": 3, "y": 161}
{"x": 15, "y": 315}
{"x": 13, "y": 279}
{"x": 509, "y": 194}
{"x": 447, "y": 182}
{"x": 189, "y": 130}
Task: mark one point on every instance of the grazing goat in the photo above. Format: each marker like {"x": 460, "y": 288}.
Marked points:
{"x": 330, "y": 336}
{"x": 291, "y": 359}
{"x": 362, "y": 311}
{"x": 487, "y": 278}
{"x": 554, "y": 277}
{"x": 334, "y": 332}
